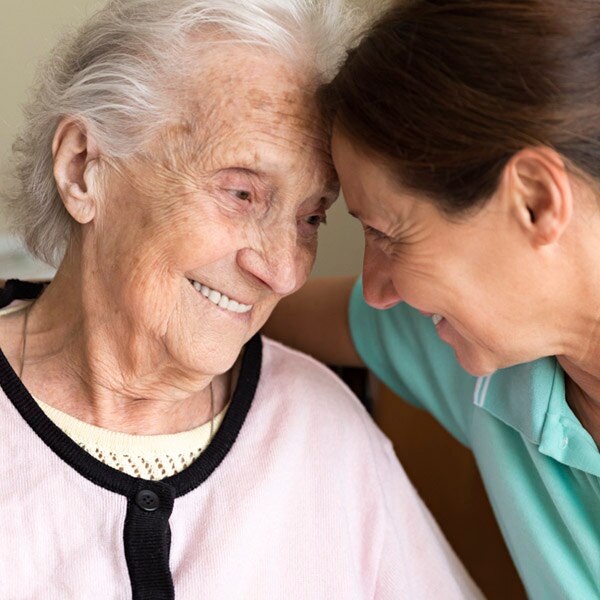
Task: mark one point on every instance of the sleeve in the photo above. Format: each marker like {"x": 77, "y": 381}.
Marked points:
{"x": 402, "y": 348}
{"x": 416, "y": 560}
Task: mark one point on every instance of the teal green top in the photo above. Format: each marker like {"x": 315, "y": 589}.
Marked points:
{"x": 540, "y": 467}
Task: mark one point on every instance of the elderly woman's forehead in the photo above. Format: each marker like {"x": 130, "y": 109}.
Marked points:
{"x": 246, "y": 106}
{"x": 257, "y": 124}
{"x": 235, "y": 75}
{"x": 264, "y": 95}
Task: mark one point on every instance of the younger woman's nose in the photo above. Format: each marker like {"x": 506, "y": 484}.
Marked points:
{"x": 378, "y": 288}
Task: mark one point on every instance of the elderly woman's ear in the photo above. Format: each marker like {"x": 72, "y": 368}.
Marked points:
{"x": 538, "y": 187}
{"x": 76, "y": 169}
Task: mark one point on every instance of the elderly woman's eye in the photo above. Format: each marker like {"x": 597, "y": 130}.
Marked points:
{"x": 241, "y": 194}
{"x": 316, "y": 220}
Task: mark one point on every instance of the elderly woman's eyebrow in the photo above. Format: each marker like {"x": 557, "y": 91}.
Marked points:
{"x": 329, "y": 191}
{"x": 244, "y": 171}
{"x": 259, "y": 174}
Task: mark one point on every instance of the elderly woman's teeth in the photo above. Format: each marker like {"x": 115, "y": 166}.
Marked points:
{"x": 436, "y": 319}
{"x": 221, "y": 300}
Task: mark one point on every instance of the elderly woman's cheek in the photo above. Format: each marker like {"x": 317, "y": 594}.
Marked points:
{"x": 306, "y": 260}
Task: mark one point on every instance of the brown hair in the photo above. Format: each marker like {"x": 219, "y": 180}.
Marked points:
{"x": 446, "y": 91}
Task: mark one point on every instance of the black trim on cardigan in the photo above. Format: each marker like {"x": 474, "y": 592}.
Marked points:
{"x": 147, "y": 538}
{"x": 146, "y": 534}
{"x": 19, "y": 290}
{"x": 119, "y": 482}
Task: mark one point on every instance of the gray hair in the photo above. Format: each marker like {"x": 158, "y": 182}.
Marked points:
{"x": 111, "y": 76}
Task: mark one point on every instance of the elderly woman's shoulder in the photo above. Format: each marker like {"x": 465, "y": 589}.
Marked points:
{"x": 309, "y": 398}
{"x": 300, "y": 374}
{"x": 293, "y": 364}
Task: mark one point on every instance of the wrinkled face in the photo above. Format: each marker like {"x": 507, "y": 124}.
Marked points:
{"x": 477, "y": 273}
{"x": 200, "y": 240}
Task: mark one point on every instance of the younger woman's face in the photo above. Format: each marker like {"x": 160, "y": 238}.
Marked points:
{"x": 478, "y": 272}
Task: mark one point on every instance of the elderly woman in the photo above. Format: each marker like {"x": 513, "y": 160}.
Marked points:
{"x": 467, "y": 140}
{"x": 176, "y": 166}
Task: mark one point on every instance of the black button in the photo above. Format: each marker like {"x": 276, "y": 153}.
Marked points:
{"x": 147, "y": 500}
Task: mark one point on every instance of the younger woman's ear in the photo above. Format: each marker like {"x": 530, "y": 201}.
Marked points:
{"x": 538, "y": 188}
{"x": 76, "y": 169}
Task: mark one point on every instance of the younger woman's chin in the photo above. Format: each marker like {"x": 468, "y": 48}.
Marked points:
{"x": 476, "y": 364}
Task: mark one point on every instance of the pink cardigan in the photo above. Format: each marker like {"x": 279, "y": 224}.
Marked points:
{"x": 299, "y": 496}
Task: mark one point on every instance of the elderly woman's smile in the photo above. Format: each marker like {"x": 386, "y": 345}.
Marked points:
{"x": 221, "y": 299}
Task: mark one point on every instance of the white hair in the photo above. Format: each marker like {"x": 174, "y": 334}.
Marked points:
{"x": 111, "y": 76}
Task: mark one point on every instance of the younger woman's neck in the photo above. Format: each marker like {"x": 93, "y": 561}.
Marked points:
{"x": 582, "y": 389}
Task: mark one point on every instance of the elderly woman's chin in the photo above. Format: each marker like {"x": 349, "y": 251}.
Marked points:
{"x": 210, "y": 346}
{"x": 211, "y": 350}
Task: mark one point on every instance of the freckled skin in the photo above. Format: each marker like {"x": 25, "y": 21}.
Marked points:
{"x": 227, "y": 195}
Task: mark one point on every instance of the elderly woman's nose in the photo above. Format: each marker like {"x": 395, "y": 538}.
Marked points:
{"x": 275, "y": 264}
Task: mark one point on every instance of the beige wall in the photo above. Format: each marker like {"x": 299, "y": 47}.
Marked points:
{"x": 28, "y": 29}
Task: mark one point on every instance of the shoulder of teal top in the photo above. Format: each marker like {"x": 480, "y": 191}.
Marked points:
{"x": 531, "y": 399}
{"x": 541, "y": 469}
